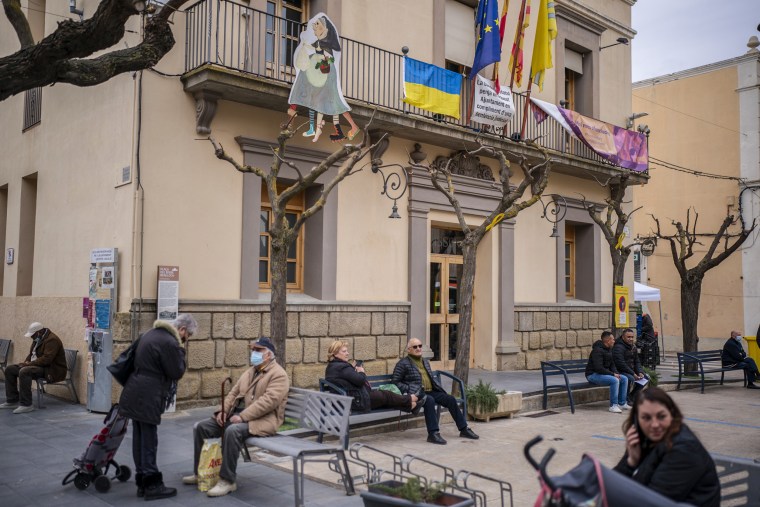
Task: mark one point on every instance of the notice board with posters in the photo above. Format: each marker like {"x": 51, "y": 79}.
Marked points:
{"x": 98, "y": 309}
{"x": 167, "y": 300}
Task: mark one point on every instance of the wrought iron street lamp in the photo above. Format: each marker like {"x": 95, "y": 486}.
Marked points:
{"x": 554, "y": 212}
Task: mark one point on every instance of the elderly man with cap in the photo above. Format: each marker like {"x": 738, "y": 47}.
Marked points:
{"x": 254, "y": 407}
{"x": 46, "y": 359}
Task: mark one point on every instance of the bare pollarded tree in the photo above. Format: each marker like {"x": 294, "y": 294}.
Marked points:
{"x": 535, "y": 178}
{"x": 682, "y": 250}
{"x": 62, "y": 56}
{"x": 282, "y": 234}
{"x": 613, "y": 220}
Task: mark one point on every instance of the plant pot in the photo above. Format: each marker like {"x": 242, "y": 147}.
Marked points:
{"x": 324, "y": 69}
{"x": 509, "y": 404}
{"x": 376, "y": 497}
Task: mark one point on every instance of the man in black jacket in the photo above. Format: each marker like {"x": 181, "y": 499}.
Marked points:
{"x": 601, "y": 370}
{"x": 627, "y": 362}
{"x": 412, "y": 375}
{"x": 734, "y": 356}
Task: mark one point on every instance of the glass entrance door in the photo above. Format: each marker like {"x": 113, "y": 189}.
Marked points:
{"x": 445, "y": 279}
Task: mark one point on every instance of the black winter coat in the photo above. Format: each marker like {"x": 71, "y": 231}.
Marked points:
{"x": 647, "y": 329}
{"x": 733, "y": 353}
{"x": 408, "y": 379}
{"x": 159, "y": 361}
{"x": 600, "y": 361}
{"x": 344, "y": 375}
{"x": 626, "y": 358}
{"x": 685, "y": 473}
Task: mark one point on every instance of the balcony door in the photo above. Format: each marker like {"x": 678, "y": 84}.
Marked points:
{"x": 284, "y": 23}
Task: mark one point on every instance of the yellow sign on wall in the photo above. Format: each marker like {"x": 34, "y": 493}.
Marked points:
{"x": 621, "y": 306}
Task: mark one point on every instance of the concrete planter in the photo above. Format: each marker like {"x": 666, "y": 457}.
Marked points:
{"x": 509, "y": 404}
{"x": 378, "y": 497}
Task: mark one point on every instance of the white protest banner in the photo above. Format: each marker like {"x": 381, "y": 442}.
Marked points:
{"x": 489, "y": 107}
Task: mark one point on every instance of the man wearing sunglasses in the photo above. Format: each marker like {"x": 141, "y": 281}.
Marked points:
{"x": 412, "y": 375}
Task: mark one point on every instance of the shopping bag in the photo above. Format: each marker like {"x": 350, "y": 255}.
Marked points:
{"x": 390, "y": 387}
{"x": 209, "y": 464}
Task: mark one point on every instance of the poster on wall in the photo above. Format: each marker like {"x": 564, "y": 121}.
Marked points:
{"x": 621, "y": 306}
{"x": 168, "y": 292}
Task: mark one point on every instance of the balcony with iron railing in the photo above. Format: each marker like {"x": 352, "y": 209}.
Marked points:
{"x": 237, "y": 53}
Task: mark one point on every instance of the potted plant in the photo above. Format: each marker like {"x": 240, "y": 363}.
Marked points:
{"x": 411, "y": 493}
{"x": 485, "y": 402}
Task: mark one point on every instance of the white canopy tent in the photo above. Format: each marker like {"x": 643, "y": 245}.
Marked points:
{"x": 643, "y": 292}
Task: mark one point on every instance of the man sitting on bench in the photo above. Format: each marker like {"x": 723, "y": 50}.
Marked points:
{"x": 413, "y": 375}
{"x": 733, "y": 356}
{"x": 263, "y": 393}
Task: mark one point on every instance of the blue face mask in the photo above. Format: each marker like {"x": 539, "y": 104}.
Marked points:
{"x": 257, "y": 357}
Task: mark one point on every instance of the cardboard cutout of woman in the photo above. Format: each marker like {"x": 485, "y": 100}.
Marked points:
{"x": 317, "y": 83}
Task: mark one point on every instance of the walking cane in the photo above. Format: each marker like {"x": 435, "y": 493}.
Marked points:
{"x": 226, "y": 415}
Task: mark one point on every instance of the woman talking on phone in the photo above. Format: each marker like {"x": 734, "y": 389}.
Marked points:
{"x": 663, "y": 454}
{"x": 352, "y": 378}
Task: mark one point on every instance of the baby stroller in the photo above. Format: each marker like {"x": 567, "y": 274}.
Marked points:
{"x": 591, "y": 484}
{"x": 97, "y": 459}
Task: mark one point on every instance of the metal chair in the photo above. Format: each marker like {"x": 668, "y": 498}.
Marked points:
{"x": 71, "y": 363}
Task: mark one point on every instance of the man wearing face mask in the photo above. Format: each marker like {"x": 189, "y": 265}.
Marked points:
{"x": 734, "y": 356}
{"x": 254, "y": 407}
{"x": 46, "y": 359}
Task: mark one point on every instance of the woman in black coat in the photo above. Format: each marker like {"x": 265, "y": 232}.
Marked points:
{"x": 663, "y": 454}
{"x": 159, "y": 364}
{"x": 353, "y": 379}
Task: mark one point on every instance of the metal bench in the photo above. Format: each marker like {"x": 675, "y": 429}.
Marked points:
{"x": 71, "y": 363}
{"x": 564, "y": 368}
{"x": 323, "y": 413}
{"x": 5, "y": 352}
{"x": 700, "y": 358}
{"x": 385, "y": 415}
{"x": 739, "y": 481}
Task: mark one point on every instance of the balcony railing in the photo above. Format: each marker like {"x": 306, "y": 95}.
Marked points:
{"x": 32, "y": 108}
{"x": 250, "y": 41}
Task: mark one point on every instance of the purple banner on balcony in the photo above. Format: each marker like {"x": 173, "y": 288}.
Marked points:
{"x": 622, "y": 147}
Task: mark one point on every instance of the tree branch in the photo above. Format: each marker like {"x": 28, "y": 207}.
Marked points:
{"x": 222, "y": 155}
{"x": 60, "y": 57}
{"x": 19, "y": 22}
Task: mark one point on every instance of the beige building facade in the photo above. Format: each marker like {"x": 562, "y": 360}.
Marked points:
{"x": 704, "y": 119}
{"x": 127, "y": 165}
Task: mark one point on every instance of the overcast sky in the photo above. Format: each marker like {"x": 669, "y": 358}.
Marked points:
{"x": 675, "y": 35}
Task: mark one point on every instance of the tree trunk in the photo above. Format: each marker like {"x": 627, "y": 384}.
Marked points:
{"x": 618, "y": 278}
{"x": 466, "y": 286}
{"x": 691, "y": 290}
{"x": 278, "y": 264}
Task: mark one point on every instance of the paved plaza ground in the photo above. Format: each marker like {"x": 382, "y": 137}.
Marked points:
{"x": 36, "y": 450}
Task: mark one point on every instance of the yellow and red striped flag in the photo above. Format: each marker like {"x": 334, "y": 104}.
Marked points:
{"x": 502, "y": 28}
{"x": 516, "y": 57}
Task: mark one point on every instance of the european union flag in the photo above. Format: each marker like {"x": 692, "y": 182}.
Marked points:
{"x": 488, "y": 49}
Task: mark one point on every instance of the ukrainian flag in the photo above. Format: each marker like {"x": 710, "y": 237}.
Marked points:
{"x": 432, "y": 88}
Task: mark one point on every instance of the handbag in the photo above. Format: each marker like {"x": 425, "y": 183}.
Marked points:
{"x": 124, "y": 365}
{"x": 209, "y": 464}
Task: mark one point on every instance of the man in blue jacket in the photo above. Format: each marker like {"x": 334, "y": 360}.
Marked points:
{"x": 734, "y": 356}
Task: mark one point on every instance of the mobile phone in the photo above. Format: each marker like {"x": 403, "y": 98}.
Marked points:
{"x": 359, "y": 362}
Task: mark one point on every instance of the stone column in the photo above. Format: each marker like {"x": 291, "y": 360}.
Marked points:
{"x": 506, "y": 348}
{"x": 418, "y": 250}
